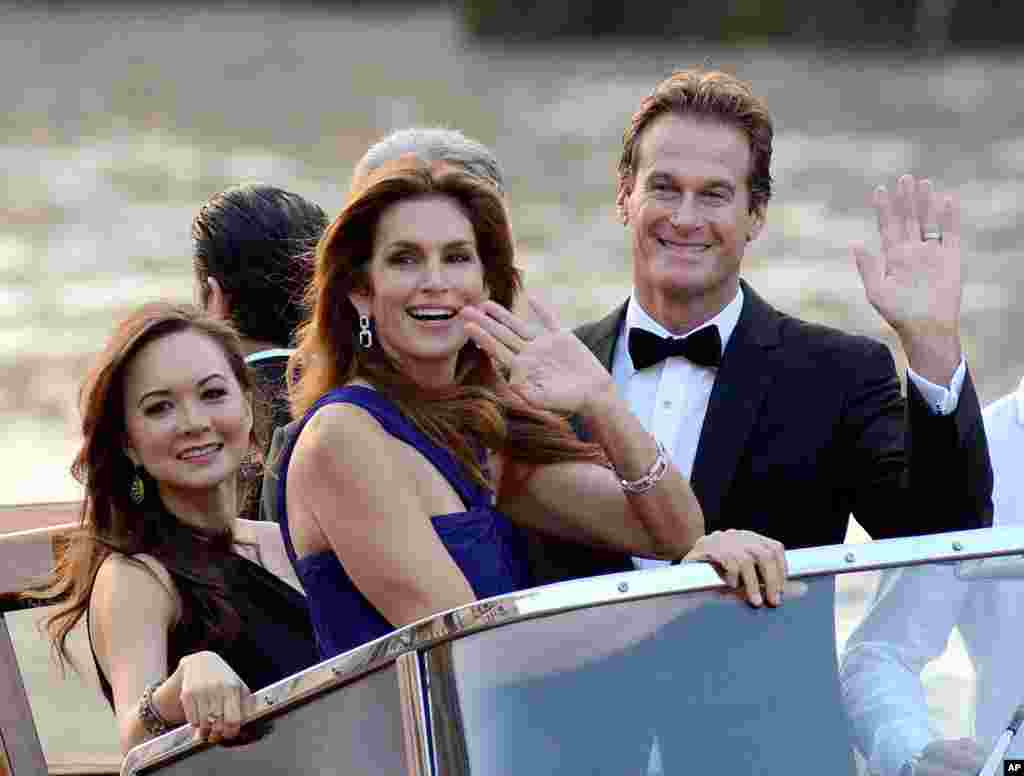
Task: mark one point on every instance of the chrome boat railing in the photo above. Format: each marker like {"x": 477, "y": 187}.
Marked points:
{"x": 531, "y": 680}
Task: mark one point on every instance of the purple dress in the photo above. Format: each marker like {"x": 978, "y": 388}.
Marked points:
{"x": 485, "y": 545}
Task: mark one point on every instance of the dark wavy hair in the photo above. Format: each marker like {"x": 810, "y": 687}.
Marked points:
{"x": 110, "y": 521}
{"x": 713, "y": 95}
{"x": 479, "y": 407}
{"x": 258, "y": 242}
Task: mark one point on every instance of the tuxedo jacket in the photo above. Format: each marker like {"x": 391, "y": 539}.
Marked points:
{"x": 806, "y": 425}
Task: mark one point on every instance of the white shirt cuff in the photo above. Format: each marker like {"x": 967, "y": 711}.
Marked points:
{"x": 942, "y": 401}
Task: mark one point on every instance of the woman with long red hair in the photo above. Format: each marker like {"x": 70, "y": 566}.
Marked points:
{"x": 434, "y": 419}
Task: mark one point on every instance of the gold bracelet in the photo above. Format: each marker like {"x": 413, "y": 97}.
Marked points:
{"x": 653, "y": 476}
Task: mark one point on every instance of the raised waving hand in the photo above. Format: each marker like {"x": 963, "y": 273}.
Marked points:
{"x": 548, "y": 366}
{"x": 915, "y": 283}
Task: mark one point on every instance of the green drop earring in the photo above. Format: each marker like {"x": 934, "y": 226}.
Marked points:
{"x": 137, "y": 492}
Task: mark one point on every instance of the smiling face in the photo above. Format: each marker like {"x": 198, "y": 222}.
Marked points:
{"x": 425, "y": 266}
{"x": 187, "y": 418}
{"x": 688, "y": 207}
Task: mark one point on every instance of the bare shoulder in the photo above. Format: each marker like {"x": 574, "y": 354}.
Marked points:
{"x": 339, "y": 422}
{"x": 335, "y": 432}
{"x": 118, "y": 569}
{"x": 123, "y": 583}
{"x": 348, "y": 467}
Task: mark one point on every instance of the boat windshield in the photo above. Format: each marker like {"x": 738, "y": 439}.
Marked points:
{"x": 878, "y": 652}
{"x": 853, "y": 674}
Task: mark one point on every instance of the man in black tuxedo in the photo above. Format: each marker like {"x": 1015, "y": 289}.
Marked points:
{"x": 786, "y": 427}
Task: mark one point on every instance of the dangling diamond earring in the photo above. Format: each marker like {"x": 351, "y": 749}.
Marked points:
{"x": 365, "y": 335}
{"x": 137, "y": 491}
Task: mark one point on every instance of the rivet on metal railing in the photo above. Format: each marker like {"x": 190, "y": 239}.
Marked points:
{"x": 850, "y": 557}
{"x": 958, "y": 547}
{"x": 623, "y": 587}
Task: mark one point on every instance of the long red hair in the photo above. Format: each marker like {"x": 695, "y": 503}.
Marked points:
{"x": 479, "y": 407}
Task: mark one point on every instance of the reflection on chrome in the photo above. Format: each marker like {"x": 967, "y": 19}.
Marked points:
{"x": 662, "y": 672}
{"x": 1008, "y": 567}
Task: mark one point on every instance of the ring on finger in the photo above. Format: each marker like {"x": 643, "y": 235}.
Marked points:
{"x": 931, "y": 233}
{"x": 214, "y": 716}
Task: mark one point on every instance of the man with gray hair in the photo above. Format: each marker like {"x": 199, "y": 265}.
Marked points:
{"x": 433, "y": 144}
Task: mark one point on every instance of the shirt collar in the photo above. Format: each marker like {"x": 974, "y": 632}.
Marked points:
{"x": 726, "y": 320}
{"x": 252, "y": 358}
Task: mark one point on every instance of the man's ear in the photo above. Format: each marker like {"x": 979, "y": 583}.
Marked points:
{"x": 757, "y": 219}
{"x": 218, "y": 301}
{"x": 622, "y": 199}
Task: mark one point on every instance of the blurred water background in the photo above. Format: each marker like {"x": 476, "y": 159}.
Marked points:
{"x": 118, "y": 122}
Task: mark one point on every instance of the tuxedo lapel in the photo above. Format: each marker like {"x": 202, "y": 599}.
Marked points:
{"x": 601, "y": 335}
{"x": 748, "y": 368}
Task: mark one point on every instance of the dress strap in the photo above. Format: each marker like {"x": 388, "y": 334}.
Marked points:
{"x": 396, "y": 424}
{"x": 105, "y": 687}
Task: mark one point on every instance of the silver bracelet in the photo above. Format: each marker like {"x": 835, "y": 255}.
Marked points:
{"x": 152, "y": 721}
{"x": 653, "y": 476}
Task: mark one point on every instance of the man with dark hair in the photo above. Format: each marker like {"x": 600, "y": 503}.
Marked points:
{"x": 252, "y": 256}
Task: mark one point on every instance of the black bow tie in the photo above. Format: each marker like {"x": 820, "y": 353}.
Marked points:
{"x": 703, "y": 347}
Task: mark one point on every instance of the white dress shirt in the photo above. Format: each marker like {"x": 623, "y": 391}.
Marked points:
{"x": 913, "y": 615}
{"x": 671, "y": 398}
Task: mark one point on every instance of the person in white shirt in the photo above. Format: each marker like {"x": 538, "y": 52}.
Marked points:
{"x": 909, "y": 625}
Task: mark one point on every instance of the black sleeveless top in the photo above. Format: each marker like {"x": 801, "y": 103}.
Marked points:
{"x": 276, "y": 637}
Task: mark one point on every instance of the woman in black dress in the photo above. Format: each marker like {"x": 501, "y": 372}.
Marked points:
{"x": 187, "y": 607}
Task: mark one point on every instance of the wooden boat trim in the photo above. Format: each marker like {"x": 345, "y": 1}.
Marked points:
{"x": 30, "y": 536}
{"x": 23, "y": 753}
